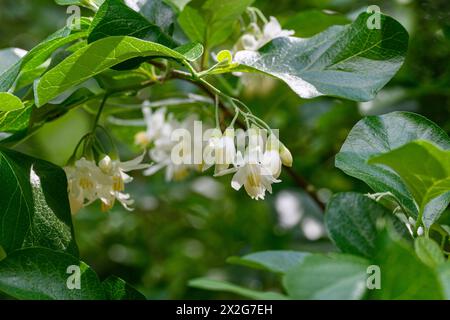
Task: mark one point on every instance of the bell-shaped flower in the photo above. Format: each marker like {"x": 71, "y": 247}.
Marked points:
{"x": 83, "y": 178}
{"x": 251, "y": 173}
{"x": 273, "y": 30}
{"x": 117, "y": 170}
{"x": 220, "y": 150}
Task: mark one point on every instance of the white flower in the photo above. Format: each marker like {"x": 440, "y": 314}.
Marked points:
{"x": 83, "y": 178}
{"x": 273, "y": 30}
{"x": 271, "y": 160}
{"x": 117, "y": 172}
{"x": 159, "y": 130}
{"x": 255, "y": 39}
{"x": 223, "y": 148}
{"x": 157, "y": 126}
{"x": 88, "y": 182}
{"x": 251, "y": 173}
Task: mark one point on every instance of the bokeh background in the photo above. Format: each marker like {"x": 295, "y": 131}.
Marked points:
{"x": 183, "y": 230}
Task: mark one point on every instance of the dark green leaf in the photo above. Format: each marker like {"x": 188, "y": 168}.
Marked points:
{"x": 275, "y": 261}
{"x": 159, "y": 13}
{"x": 321, "y": 277}
{"x": 114, "y": 18}
{"x": 43, "y": 274}
{"x": 117, "y": 289}
{"x": 352, "y": 62}
{"x": 34, "y": 206}
{"x": 376, "y": 135}
{"x": 352, "y": 220}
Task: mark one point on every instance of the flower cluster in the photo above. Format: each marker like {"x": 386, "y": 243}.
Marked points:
{"x": 160, "y": 126}
{"x": 89, "y": 181}
{"x": 254, "y": 159}
{"x": 256, "y": 166}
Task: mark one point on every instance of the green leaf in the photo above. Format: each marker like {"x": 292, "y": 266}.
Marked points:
{"x": 352, "y": 221}
{"x": 114, "y": 18}
{"x": 444, "y": 277}
{"x": 351, "y": 62}
{"x": 221, "y": 17}
{"x": 331, "y": 277}
{"x": 403, "y": 275}
{"x": 117, "y": 289}
{"x": 37, "y": 56}
{"x": 9, "y": 102}
{"x": 43, "y": 274}
{"x": 425, "y": 169}
{"x": 376, "y": 135}
{"x": 193, "y": 24}
{"x": 2, "y": 253}
{"x": 420, "y": 164}
{"x": 96, "y": 58}
{"x": 179, "y": 4}
{"x": 310, "y": 22}
{"x": 34, "y": 207}
{"x": 429, "y": 252}
{"x": 16, "y": 120}
{"x": 191, "y": 51}
{"x": 275, "y": 261}
{"x": 216, "y": 285}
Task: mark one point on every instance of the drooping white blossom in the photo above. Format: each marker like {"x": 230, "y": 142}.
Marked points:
{"x": 250, "y": 172}
{"x": 160, "y": 127}
{"x": 106, "y": 181}
{"x": 221, "y": 149}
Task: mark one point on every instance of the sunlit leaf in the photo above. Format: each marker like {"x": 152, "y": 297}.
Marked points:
{"x": 352, "y": 62}
{"x": 95, "y": 58}
{"x": 34, "y": 206}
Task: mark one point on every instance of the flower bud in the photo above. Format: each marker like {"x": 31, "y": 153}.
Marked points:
{"x": 141, "y": 139}
{"x": 105, "y": 164}
{"x": 286, "y": 156}
{"x": 420, "y": 231}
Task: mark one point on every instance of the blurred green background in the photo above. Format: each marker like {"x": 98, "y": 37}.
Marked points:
{"x": 183, "y": 230}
